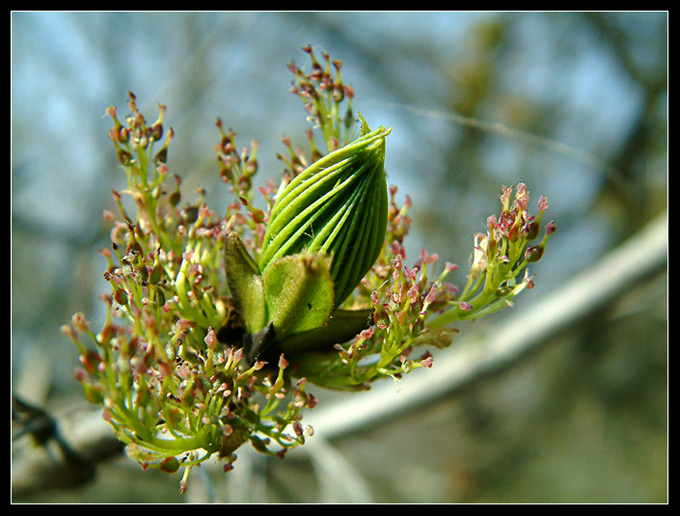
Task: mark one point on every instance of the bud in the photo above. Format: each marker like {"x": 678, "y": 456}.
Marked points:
{"x": 169, "y": 465}
{"x": 534, "y": 253}
{"x": 93, "y": 393}
{"x": 336, "y": 207}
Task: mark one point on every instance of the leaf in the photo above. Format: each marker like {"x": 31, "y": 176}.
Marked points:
{"x": 245, "y": 283}
{"x": 298, "y": 293}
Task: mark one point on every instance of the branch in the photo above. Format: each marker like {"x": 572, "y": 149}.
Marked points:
{"x": 63, "y": 450}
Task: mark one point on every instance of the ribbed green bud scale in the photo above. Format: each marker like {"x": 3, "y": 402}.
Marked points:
{"x": 337, "y": 207}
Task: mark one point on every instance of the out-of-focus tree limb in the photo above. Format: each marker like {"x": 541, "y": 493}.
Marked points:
{"x": 57, "y": 451}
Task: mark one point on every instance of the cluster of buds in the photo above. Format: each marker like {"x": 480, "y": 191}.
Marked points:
{"x": 168, "y": 366}
{"x": 328, "y": 102}
{"x": 216, "y": 325}
{"x": 134, "y": 139}
{"x": 499, "y": 257}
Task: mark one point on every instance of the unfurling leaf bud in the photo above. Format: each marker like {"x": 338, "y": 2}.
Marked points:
{"x": 337, "y": 207}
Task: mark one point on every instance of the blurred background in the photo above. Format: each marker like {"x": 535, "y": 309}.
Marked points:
{"x": 573, "y": 104}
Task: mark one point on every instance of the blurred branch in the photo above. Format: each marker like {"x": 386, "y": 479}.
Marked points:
{"x": 475, "y": 355}
{"x": 57, "y": 451}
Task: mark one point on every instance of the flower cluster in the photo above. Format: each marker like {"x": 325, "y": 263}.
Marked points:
{"x": 498, "y": 258}
{"x": 416, "y": 307}
{"x": 216, "y": 324}
{"x": 327, "y": 100}
{"x": 167, "y": 365}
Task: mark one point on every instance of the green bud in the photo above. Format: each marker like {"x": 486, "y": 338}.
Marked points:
{"x": 337, "y": 207}
{"x": 169, "y": 465}
{"x": 93, "y": 393}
